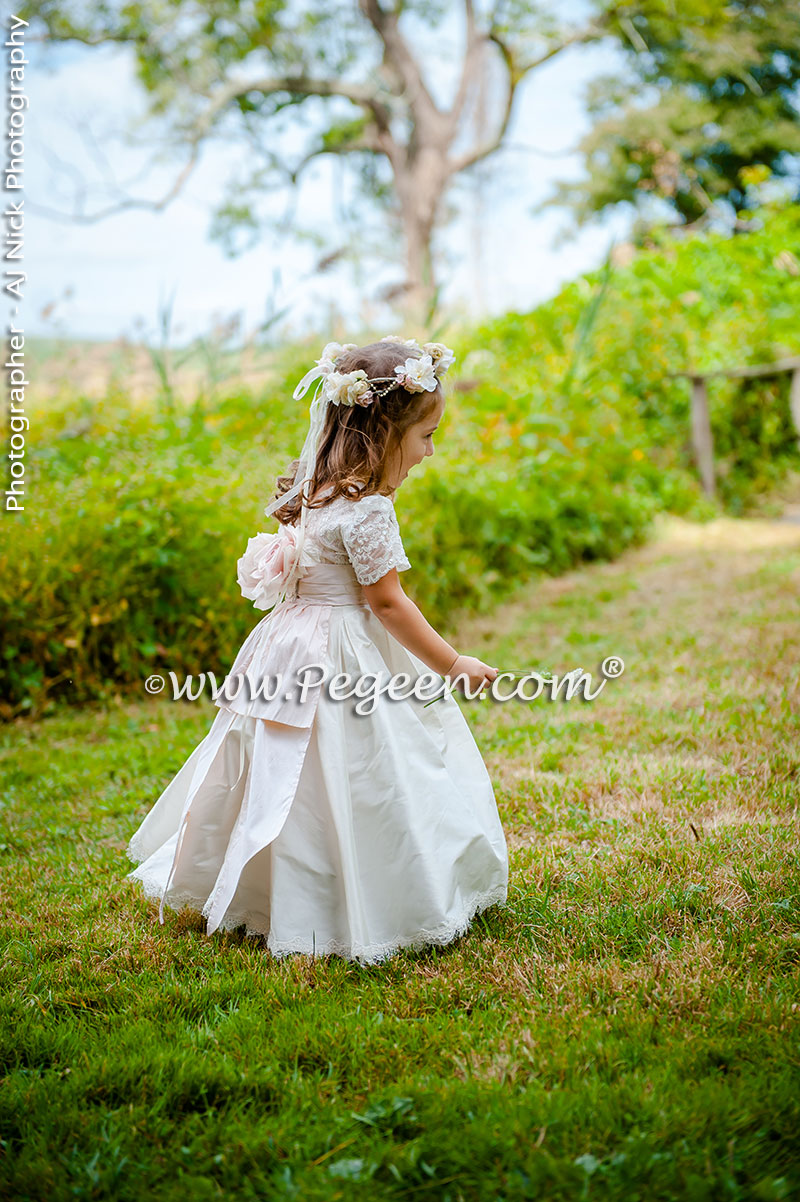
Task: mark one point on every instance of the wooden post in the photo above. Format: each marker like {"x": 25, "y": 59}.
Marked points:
{"x": 701, "y": 434}
{"x": 794, "y": 401}
{"x": 701, "y": 425}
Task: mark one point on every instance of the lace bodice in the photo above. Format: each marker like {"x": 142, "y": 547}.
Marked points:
{"x": 364, "y": 533}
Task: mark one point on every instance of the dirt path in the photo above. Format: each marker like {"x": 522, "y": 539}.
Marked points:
{"x": 702, "y": 727}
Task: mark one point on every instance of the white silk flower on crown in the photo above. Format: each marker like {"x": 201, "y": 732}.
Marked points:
{"x": 269, "y": 565}
{"x": 401, "y": 341}
{"x": 331, "y": 352}
{"x": 353, "y": 387}
{"x": 417, "y": 375}
{"x": 442, "y": 356}
{"x": 348, "y": 388}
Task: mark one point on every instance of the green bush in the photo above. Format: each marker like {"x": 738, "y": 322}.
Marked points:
{"x": 564, "y": 434}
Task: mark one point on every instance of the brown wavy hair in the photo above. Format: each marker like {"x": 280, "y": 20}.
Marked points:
{"x": 356, "y": 440}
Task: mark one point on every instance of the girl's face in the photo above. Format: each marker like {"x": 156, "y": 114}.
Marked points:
{"x": 417, "y": 443}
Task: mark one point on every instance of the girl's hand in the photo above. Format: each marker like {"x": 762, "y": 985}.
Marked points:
{"x": 477, "y": 673}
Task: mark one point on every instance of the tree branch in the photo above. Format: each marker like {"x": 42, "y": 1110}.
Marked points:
{"x": 474, "y": 44}
{"x": 400, "y": 62}
{"x": 129, "y": 202}
{"x": 516, "y": 72}
{"x": 473, "y": 156}
{"x": 588, "y": 33}
{"x": 363, "y": 96}
{"x": 365, "y": 142}
{"x": 299, "y": 84}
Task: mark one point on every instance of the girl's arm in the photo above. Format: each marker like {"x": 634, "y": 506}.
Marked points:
{"x": 403, "y": 619}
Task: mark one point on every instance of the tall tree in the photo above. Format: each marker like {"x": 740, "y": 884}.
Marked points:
{"x": 708, "y": 104}
{"x": 236, "y": 70}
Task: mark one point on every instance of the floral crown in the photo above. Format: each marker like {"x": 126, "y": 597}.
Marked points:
{"x": 357, "y": 388}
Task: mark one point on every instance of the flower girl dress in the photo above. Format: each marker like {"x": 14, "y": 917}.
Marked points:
{"x": 323, "y": 829}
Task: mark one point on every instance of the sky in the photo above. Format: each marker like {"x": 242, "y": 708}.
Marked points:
{"x": 112, "y": 278}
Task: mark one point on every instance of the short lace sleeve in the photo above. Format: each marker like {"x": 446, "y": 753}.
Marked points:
{"x": 371, "y": 537}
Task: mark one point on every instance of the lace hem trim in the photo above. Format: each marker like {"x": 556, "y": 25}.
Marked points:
{"x": 135, "y": 851}
{"x": 374, "y": 953}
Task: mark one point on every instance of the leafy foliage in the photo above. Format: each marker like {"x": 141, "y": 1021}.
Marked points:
{"x": 564, "y": 434}
{"x": 709, "y": 96}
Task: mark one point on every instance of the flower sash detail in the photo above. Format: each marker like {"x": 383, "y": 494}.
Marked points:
{"x": 270, "y": 566}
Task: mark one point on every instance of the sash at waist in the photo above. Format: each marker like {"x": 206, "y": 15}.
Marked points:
{"x": 330, "y": 584}
{"x": 286, "y": 641}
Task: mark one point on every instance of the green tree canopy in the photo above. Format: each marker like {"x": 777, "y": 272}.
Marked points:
{"x": 708, "y": 105}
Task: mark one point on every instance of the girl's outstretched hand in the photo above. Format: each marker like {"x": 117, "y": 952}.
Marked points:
{"x": 466, "y": 669}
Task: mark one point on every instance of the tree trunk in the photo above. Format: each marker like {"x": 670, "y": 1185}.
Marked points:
{"x": 420, "y": 188}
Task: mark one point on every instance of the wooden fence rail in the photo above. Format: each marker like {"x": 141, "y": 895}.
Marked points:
{"x": 702, "y": 441}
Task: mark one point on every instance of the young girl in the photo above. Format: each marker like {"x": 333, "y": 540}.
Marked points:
{"x": 322, "y": 826}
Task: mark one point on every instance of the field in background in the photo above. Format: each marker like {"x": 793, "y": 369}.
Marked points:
{"x": 61, "y": 368}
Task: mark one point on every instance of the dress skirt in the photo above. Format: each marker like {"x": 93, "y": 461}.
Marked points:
{"x": 356, "y": 834}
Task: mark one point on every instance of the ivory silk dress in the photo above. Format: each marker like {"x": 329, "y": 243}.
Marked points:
{"x": 322, "y": 829}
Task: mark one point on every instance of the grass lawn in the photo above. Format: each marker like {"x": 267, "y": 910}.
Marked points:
{"x": 627, "y": 1027}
